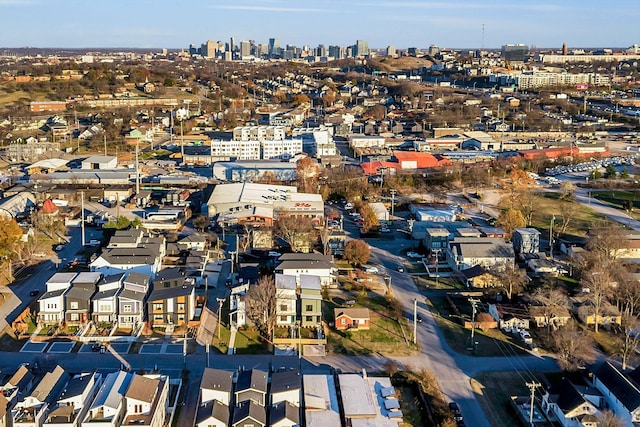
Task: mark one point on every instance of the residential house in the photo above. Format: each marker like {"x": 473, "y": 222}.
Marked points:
{"x": 465, "y": 252}
{"x": 308, "y": 264}
{"x": 477, "y": 277}
{"x": 284, "y": 414}
{"x": 320, "y": 401}
{"x": 352, "y": 318}
{"x": 74, "y": 402}
{"x": 310, "y": 301}
{"x": 251, "y": 385}
{"x": 436, "y": 239}
{"x": 216, "y": 384}
{"x": 543, "y": 317}
{"x": 171, "y": 306}
{"x": 212, "y": 414}
{"x": 146, "y": 401}
{"x": 108, "y": 409}
{"x": 286, "y": 299}
{"x": 132, "y": 299}
{"x": 171, "y": 277}
{"x": 52, "y": 303}
{"x": 286, "y": 386}
{"x": 77, "y": 300}
{"x": 238, "y": 306}
{"x": 13, "y": 391}
{"x": 583, "y": 307}
{"x": 526, "y": 241}
{"x": 573, "y": 405}
{"x": 510, "y": 317}
{"x": 131, "y": 250}
{"x": 621, "y": 394}
{"x": 249, "y": 414}
{"x": 31, "y": 411}
{"x": 193, "y": 242}
{"x": 105, "y": 300}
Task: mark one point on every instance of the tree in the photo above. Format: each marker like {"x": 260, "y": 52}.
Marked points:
{"x": 201, "y": 222}
{"x": 510, "y": 278}
{"x": 598, "y": 282}
{"x": 262, "y": 306}
{"x": 10, "y": 235}
{"x": 568, "y": 211}
{"x": 610, "y": 171}
{"x": 627, "y": 339}
{"x": 552, "y": 302}
{"x": 509, "y": 220}
{"x": 608, "y": 419}
{"x": 307, "y": 171}
{"x": 573, "y": 346}
{"x": 294, "y": 230}
{"x": 567, "y": 190}
{"x": 356, "y": 252}
{"x": 369, "y": 218}
{"x": 301, "y": 99}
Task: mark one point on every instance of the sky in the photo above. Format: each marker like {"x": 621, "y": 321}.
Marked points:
{"x": 403, "y": 24}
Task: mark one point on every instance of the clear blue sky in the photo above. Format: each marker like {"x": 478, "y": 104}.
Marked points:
{"x": 417, "y": 23}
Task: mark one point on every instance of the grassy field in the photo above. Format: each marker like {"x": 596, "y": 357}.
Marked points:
{"x": 386, "y": 335}
{"x": 617, "y": 199}
{"x": 250, "y": 342}
{"x": 425, "y": 283}
{"x": 491, "y": 342}
{"x": 546, "y": 205}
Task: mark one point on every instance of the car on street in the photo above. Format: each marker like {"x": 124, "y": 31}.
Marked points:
{"x": 59, "y": 248}
{"x": 455, "y": 410}
{"x": 419, "y": 318}
{"x": 413, "y": 255}
{"x": 274, "y": 254}
{"x": 34, "y": 293}
{"x": 400, "y": 269}
{"x": 370, "y": 269}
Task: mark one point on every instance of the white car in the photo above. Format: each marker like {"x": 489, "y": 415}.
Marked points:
{"x": 370, "y": 269}
{"x": 414, "y": 255}
{"x": 274, "y": 254}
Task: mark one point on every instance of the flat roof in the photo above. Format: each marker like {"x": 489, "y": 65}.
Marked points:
{"x": 357, "y": 400}
{"x": 320, "y": 401}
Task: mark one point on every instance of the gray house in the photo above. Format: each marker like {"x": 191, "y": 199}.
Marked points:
{"x": 251, "y": 385}
{"x": 104, "y": 301}
{"x": 526, "y": 241}
{"x": 77, "y": 300}
{"x": 132, "y": 299}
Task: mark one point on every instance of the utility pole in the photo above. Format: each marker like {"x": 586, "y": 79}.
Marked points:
{"x": 415, "y": 320}
{"x": 137, "y": 171}
{"x": 105, "y": 143}
{"x": 532, "y": 386}
{"x": 82, "y": 215}
{"x": 393, "y": 201}
{"x": 553, "y": 219}
{"x": 220, "y": 302}
{"x": 474, "y": 302}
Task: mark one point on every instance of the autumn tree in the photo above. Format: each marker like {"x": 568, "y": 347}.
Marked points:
{"x": 356, "y": 252}
{"x": 201, "y": 222}
{"x": 509, "y": 220}
{"x": 10, "y": 234}
{"x": 262, "y": 306}
{"x": 294, "y": 230}
{"x": 307, "y": 171}
{"x": 369, "y": 218}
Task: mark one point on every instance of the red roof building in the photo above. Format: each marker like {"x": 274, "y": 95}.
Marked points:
{"x": 416, "y": 160}
{"x": 49, "y": 208}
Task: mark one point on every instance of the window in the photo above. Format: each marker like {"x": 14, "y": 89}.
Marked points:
{"x": 158, "y": 306}
{"x": 74, "y": 317}
{"x": 309, "y": 318}
{"x": 309, "y": 307}
{"x": 73, "y": 305}
{"x": 283, "y": 307}
{"x": 284, "y": 318}
{"x": 127, "y": 308}
{"x": 343, "y": 321}
{"x": 180, "y": 306}
{"x": 157, "y": 317}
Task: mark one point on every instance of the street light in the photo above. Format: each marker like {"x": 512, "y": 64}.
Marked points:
{"x": 415, "y": 320}
{"x": 220, "y": 302}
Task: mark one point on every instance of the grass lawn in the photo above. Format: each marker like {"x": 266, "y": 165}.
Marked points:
{"x": 250, "y": 342}
{"x": 490, "y": 343}
{"x": 425, "y": 283}
{"x": 385, "y": 336}
{"x": 221, "y": 344}
{"x": 547, "y": 204}
{"x": 617, "y": 198}
{"x": 494, "y": 391}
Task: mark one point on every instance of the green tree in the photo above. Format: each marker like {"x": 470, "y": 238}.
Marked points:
{"x": 610, "y": 171}
{"x": 356, "y": 252}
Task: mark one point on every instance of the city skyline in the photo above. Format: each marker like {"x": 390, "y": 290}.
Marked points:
{"x": 458, "y": 24}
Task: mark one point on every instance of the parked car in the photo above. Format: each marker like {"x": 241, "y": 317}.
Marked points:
{"x": 274, "y": 254}
{"x": 413, "y": 255}
{"x": 400, "y": 269}
{"x": 419, "y": 318}
{"x": 34, "y": 293}
{"x": 371, "y": 269}
{"x": 348, "y": 205}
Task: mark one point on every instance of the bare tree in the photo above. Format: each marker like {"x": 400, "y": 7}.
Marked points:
{"x": 510, "y": 278}
{"x": 627, "y": 293}
{"x": 553, "y": 301}
{"x": 573, "y": 346}
{"x": 566, "y": 215}
{"x": 609, "y": 419}
{"x": 627, "y": 339}
{"x": 295, "y": 230}
{"x": 262, "y": 305}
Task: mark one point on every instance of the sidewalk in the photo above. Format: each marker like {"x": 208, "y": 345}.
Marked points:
{"x": 232, "y": 341}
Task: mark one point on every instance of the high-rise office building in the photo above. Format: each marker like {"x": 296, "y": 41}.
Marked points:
{"x": 245, "y": 48}
{"x": 209, "y": 49}
{"x": 336, "y": 52}
{"x": 391, "y": 50}
{"x": 565, "y": 49}
{"x": 515, "y": 52}
{"x": 274, "y": 47}
{"x": 361, "y": 48}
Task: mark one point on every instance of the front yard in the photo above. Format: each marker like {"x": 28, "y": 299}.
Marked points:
{"x": 387, "y": 336}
